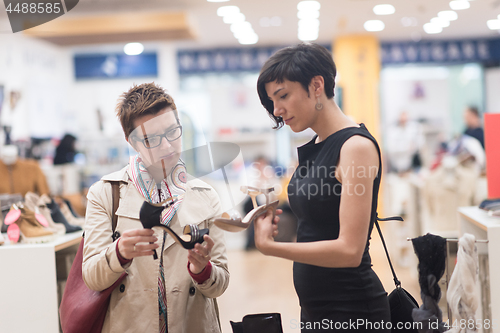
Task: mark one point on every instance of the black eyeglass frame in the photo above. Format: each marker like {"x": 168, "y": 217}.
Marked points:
{"x": 164, "y": 135}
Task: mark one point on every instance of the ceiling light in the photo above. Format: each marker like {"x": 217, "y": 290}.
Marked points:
{"x": 217, "y": 0}
{"x": 493, "y": 24}
{"x": 303, "y": 15}
{"x": 409, "y": 21}
{"x": 275, "y": 21}
{"x": 233, "y": 18}
{"x": 310, "y": 23}
{"x": 249, "y": 39}
{"x": 441, "y": 22}
{"x": 459, "y": 4}
{"x": 448, "y": 15}
{"x": 384, "y": 9}
{"x": 374, "y": 25}
{"x": 305, "y": 6}
{"x": 265, "y": 21}
{"x": 240, "y": 26}
{"x": 227, "y": 10}
{"x": 431, "y": 28}
{"x": 133, "y": 48}
{"x": 307, "y": 36}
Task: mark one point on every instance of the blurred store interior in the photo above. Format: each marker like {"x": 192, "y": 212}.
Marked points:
{"x": 411, "y": 74}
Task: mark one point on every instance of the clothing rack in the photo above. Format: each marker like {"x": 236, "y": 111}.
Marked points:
{"x": 451, "y": 240}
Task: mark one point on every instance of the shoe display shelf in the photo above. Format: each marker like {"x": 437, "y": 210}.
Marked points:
{"x": 29, "y": 283}
{"x": 484, "y": 227}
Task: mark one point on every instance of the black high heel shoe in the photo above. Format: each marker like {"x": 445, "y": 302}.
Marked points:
{"x": 150, "y": 216}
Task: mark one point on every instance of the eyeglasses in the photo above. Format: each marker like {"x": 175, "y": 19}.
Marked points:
{"x": 155, "y": 140}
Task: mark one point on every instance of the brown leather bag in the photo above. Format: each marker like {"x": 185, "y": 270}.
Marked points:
{"x": 83, "y": 310}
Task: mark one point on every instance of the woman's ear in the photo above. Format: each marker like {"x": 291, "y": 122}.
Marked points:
{"x": 318, "y": 84}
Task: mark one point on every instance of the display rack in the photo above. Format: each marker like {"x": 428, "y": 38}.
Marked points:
{"x": 29, "y": 297}
{"x": 477, "y": 222}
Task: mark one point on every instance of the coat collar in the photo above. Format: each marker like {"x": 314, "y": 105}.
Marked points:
{"x": 195, "y": 208}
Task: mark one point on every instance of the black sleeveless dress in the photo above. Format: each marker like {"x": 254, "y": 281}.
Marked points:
{"x": 333, "y": 299}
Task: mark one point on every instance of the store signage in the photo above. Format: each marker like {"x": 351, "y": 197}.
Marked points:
{"x": 454, "y": 51}
{"x": 113, "y": 66}
{"x": 252, "y": 59}
{"x": 224, "y": 60}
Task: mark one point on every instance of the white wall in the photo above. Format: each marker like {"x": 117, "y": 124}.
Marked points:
{"x": 41, "y": 72}
{"x": 399, "y": 93}
{"x": 492, "y": 79}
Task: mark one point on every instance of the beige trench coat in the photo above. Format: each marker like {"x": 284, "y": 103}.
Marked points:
{"x": 191, "y": 307}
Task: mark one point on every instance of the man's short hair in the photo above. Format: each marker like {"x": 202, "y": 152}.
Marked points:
{"x": 144, "y": 99}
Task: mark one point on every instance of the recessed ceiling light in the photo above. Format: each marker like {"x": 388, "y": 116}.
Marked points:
{"x": 449, "y": 15}
{"x": 275, "y": 21}
{"x": 459, "y": 4}
{"x": 374, "y": 25}
{"x": 441, "y": 22}
{"x": 133, "y": 48}
{"x": 304, "y": 15}
{"x": 265, "y": 21}
{"x": 307, "y": 35}
{"x": 305, "y": 6}
{"x": 384, "y": 9}
{"x": 409, "y": 21}
{"x": 312, "y": 23}
{"x": 431, "y": 28}
{"x": 227, "y": 10}
{"x": 233, "y": 18}
{"x": 493, "y": 24}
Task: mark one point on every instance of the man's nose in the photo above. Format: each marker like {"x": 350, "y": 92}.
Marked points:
{"x": 164, "y": 144}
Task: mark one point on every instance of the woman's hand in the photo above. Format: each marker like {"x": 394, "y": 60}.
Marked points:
{"x": 136, "y": 243}
{"x": 200, "y": 256}
{"x": 266, "y": 229}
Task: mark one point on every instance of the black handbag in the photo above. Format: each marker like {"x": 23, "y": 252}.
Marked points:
{"x": 401, "y": 302}
{"x": 258, "y": 323}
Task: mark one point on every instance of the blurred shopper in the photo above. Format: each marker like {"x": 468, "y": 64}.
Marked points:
{"x": 264, "y": 176}
{"x": 65, "y": 151}
{"x": 19, "y": 175}
{"x": 333, "y": 193}
{"x": 182, "y": 283}
{"x": 402, "y": 145}
{"x": 473, "y": 124}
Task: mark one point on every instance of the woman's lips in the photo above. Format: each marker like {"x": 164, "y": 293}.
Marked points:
{"x": 288, "y": 120}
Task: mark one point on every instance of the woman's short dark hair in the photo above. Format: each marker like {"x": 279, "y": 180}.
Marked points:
{"x": 298, "y": 63}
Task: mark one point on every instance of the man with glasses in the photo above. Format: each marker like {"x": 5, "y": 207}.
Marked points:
{"x": 182, "y": 283}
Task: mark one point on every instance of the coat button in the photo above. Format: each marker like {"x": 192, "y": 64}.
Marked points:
{"x": 122, "y": 288}
{"x": 192, "y": 290}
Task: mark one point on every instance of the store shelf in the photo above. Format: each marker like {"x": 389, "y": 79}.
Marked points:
{"x": 29, "y": 285}
{"x": 477, "y": 222}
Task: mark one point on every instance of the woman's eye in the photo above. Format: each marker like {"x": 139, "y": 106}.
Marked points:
{"x": 284, "y": 96}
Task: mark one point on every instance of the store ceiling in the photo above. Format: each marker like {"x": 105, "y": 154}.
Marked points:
{"x": 337, "y": 17}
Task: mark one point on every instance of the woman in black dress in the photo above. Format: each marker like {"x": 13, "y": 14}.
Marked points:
{"x": 333, "y": 193}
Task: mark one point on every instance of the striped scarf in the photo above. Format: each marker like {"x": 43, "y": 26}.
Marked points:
{"x": 173, "y": 186}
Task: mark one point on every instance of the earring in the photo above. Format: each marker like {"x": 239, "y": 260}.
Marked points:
{"x": 319, "y": 106}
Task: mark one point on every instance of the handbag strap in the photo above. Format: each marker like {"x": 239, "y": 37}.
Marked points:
{"x": 115, "y": 186}
{"x": 392, "y": 218}
{"x": 115, "y": 192}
